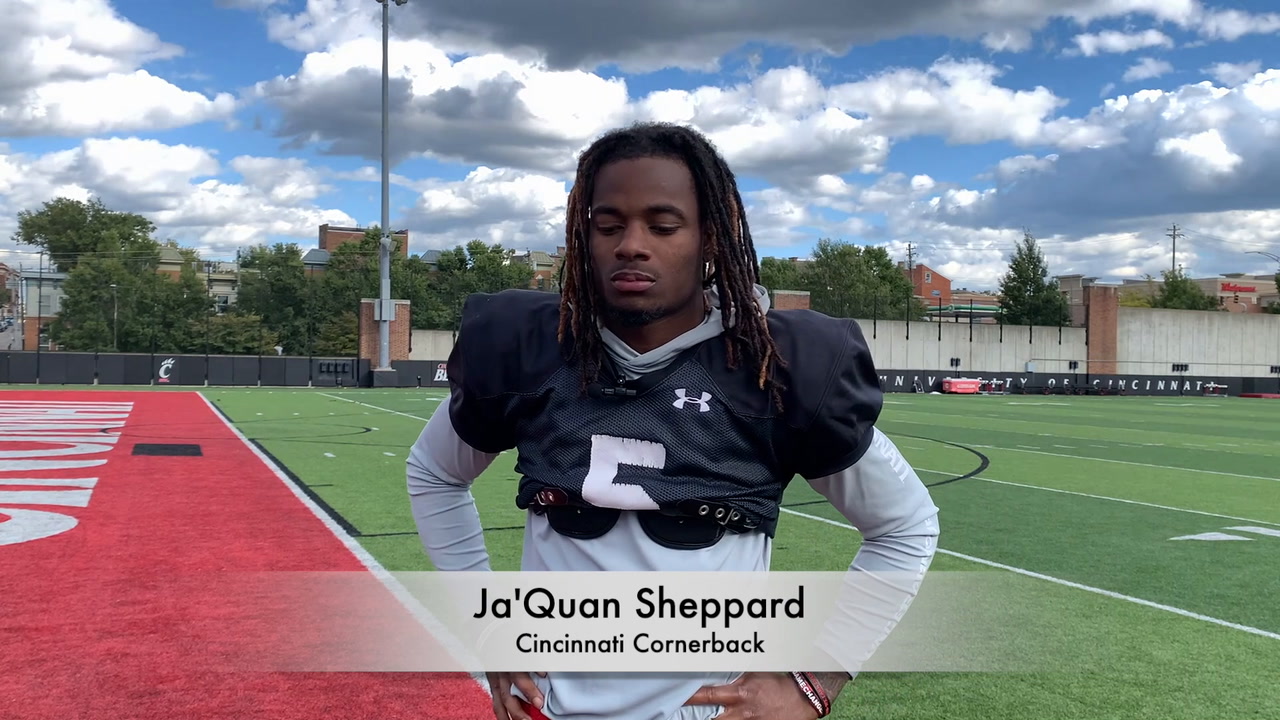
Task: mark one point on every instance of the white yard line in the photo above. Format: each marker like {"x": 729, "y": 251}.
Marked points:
{"x": 375, "y": 407}
{"x": 1129, "y": 462}
{"x": 432, "y": 624}
{"x": 1107, "y": 497}
{"x": 1070, "y": 584}
{"x": 1116, "y": 444}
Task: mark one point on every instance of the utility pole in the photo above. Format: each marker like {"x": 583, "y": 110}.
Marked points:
{"x": 1173, "y": 235}
{"x": 911, "y": 257}
{"x": 385, "y": 308}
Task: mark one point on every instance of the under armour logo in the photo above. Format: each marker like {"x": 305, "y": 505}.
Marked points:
{"x": 682, "y": 399}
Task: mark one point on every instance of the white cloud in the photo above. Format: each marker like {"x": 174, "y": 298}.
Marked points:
{"x": 247, "y": 4}
{"x": 1115, "y": 41}
{"x": 664, "y": 33}
{"x": 960, "y": 100}
{"x": 1233, "y": 24}
{"x": 1090, "y": 184}
{"x": 1233, "y": 73}
{"x": 72, "y": 68}
{"x": 494, "y": 205}
{"x": 1206, "y": 154}
{"x": 1018, "y": 40}
{"x": 783, "y": 125}
{"x": 1147, "y": 68}
{"x": 113, "y": 103}
{"x": 1201, "y": 156}
{"x": 515, "y": 98}
{"x": 322, "y": 23}
{"x": 178, "y": 187}
{"x": 70, "y": 40}
{"x": 1010, "y": 169}
{"x": 485, "y": 109}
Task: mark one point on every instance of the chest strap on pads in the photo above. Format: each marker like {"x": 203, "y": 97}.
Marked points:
{"x": 571, "y": 516}
{"x": 689, "y": 525}
{"x": 725, "y": 515}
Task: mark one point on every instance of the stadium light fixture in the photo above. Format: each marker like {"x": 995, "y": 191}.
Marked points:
{"x": 385, "y": 309}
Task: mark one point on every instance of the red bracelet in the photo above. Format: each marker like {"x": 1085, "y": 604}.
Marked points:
{"x": 813, "y": 692}
{"x": 822, "y": 692}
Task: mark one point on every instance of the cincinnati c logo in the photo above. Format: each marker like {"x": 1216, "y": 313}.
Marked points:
{"x": 166, "y": 369}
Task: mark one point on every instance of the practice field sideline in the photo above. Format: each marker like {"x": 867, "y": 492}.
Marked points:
{"x": 1146, "y": 529}
{"x": 123, "y": 613}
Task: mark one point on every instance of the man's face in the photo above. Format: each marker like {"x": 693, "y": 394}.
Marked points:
{"x": 646, "y": 242}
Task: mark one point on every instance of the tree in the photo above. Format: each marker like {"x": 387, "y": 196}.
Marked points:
{"x": 240, "y": 333}
{"x": 847, "y": 280}
{"x": 476, "y": 268}
{"x": 1137, "y": 298}
{"x": 435, "y": 294}
{"x": 780, "y": 274}
{"x": 1028, "y": 296}
{"x": 72, "y": 230}
{"x": 1179, "y": 292}
{"x": 339, "y": 335}
{"x": 274, "y": 289}
{"x": 107, "y": 306}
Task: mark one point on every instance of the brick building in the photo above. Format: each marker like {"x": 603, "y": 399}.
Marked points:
{"x": 934, "y": 290}
{"x": 332, "y": 237}
{"x": 40, "y": 303}
{"x": 546, "y": 266}
{"x": 1235, "y": 292}
{"x": 929, "y": 285}
{"x": 10, "y": 280}
{"x": 789, "y": 299}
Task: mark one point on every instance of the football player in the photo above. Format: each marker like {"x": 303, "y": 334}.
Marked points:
{"x": 660, "y": 408}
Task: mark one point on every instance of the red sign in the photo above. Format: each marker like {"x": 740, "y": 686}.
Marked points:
{"x": 1232, "y": 287}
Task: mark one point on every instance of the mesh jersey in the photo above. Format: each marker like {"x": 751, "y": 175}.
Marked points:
{"x": 694, "y": 431}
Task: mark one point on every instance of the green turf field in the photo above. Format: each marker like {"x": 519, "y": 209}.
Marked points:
{"x": 1079, "y": 498}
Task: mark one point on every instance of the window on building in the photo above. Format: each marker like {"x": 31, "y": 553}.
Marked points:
{"x": 928, "y": 278}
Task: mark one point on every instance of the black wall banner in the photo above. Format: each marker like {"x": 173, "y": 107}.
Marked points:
{"x": 63, "y": 368}
{"x": 66, "y": 368}
{"x": 1072, "y": 383}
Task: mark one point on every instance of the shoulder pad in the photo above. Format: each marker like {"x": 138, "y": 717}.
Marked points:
{"x": 506, "y": 345}
{"x": 832, "y": 396}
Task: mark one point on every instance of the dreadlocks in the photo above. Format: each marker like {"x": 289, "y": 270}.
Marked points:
{"x": 727, "y": 244}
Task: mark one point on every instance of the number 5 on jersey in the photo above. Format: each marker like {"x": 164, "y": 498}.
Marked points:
{"x": 607, "y": 453}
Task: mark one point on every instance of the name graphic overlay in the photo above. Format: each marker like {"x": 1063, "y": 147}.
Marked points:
{"x": 642, "y": 622}
{"x": 541, "y": 603}
{"x": 706, "y": 621}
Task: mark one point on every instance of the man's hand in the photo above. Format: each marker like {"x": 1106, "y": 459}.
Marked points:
{"x": 507, "y": 706}
{"x": 765, "y": 696}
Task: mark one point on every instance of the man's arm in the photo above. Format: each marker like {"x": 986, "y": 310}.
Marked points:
{"x": 883, "y": 498}
{"x": 439, "y": 473}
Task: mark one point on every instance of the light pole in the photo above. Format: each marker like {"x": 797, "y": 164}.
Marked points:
{"x": 385, "y": 310}
{"x": 1264, "y": 254}
{"x": 115, "y": 319}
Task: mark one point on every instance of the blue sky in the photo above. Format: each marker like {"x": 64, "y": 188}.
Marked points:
{"x": 237, "y": 122}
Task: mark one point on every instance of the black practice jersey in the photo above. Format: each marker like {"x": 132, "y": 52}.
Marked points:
{"x": 692, "y": 433}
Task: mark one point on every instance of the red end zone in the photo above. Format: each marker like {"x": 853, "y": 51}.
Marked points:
{"x": 118, "y": 572}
